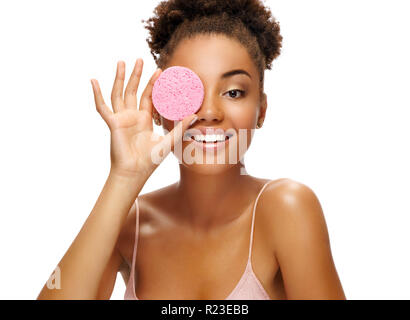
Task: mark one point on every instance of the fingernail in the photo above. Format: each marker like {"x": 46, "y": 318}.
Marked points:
{"x": 155, "y": 75}
{"x": 139, "y": 62}
{"x": 193, "y": 120}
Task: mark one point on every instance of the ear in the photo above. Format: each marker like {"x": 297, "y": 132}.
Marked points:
{"x": 262, "y": 110}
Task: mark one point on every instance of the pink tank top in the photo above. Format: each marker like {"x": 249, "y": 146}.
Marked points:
{"x": 248, "y": 288}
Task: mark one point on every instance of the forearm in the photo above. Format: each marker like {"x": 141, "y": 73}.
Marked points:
{"x": 82, "y": 266}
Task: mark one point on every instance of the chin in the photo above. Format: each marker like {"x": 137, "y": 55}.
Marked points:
{"x": 209, "y": 169}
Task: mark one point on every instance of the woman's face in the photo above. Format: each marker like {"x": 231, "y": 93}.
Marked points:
{"x": 231, "y": 103}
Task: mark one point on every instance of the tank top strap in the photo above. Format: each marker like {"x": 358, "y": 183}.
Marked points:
{"x": 253, "y": 217}
{"x": 136, "y": 239}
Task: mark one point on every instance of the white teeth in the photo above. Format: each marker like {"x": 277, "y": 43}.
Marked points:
{"x": 209, "y": 137}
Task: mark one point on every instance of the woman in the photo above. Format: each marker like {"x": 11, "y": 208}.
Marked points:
{"x": 218, "y": 233}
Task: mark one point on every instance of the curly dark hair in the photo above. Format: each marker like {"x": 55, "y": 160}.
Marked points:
{"x": 248, "y": 21}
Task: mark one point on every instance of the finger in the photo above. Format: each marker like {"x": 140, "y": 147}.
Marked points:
{"x": 176, "y": 134}
{"x": 102, "y": 108}
{"x": 146, "y": 97}
{"x": 118, "y": 87}
{"x": 130, "y": 96}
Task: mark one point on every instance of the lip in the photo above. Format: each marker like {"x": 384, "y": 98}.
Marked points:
{"x": 208, "y": 130}
{"x": 210, "y": 146}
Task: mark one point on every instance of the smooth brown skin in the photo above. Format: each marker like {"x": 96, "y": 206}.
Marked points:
{"x": 83, "y": 265}
{"x": 194, "y": 234}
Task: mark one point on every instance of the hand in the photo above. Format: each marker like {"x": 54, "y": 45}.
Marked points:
{"x": 132, "y": 137}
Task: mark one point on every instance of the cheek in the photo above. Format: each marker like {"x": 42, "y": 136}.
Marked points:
{"x": 244, "y": 122}
{"x": 243, "y": 119}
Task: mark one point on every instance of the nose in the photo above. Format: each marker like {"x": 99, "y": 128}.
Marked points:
{"x": 210, "y": 111}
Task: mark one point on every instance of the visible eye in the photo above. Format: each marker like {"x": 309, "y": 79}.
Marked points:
{"x": 233, "y": 92}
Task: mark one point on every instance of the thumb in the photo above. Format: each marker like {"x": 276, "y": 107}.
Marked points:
{"x": 176, "y": 134}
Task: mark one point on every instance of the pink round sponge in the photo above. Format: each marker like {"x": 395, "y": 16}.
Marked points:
{"x": 177, "y": 93}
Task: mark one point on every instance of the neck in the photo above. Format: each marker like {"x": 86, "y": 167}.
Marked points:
{"x": 209, "y": 199}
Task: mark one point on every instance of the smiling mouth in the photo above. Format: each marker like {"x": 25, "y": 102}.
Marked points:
{"x": 209, "y": 138}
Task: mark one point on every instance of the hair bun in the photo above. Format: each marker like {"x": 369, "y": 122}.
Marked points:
{"x": 252, "y": 15}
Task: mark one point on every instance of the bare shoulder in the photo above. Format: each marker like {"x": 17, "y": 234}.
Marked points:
{"x": 126, "y": 239}
{"x": 147, "y": 205}
{"x": 288, "y": 199}
{"x": 287, "y": 205}
{"x": 298, "y": 233}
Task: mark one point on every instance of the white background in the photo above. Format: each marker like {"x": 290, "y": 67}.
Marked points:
{"x": 338, "y": 99}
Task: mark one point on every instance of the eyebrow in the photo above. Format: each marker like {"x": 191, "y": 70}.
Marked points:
{"x": 234, "y": 72}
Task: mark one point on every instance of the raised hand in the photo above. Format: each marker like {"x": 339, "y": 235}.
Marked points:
{"x": 132, "y": 137}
